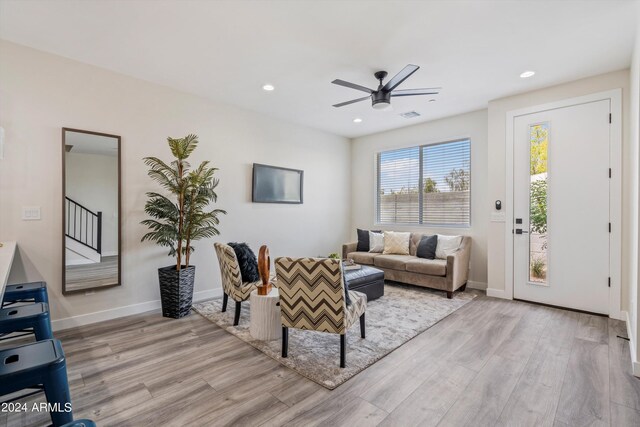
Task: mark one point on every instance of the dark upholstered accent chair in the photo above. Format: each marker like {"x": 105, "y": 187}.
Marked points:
{"x": 312, "y": 298}
{"x": 232, "y": 283}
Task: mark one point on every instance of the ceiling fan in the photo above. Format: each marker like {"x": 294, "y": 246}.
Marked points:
{"x": 381, "y": 97}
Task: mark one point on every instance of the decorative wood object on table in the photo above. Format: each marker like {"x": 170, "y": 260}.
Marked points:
{"x": 264, "y": 261}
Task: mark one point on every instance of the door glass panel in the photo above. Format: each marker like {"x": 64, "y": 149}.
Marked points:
{"x": 538, "y": 260}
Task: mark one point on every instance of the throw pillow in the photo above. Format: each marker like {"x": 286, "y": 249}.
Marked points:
{"x": 376, "y": 242}
{"x": 363, "y": 240}
{"x": 247, "y": 262}
{"x": 427, "y": 247}
{"x": 396, "y": 243}
{"x": 447, "y": 245}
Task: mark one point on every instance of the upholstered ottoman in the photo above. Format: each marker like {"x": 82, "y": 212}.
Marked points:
{"x": 368, "y": 280}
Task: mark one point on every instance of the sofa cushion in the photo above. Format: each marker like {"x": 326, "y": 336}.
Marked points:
{"x": 431, "y": 267}
{"x": 396, "y": 243}
{"x": 363, "y": 239}
{"x": 413, "y": 243}
{"x": 427, "y": 247}
{"x": 447, "y": 245}
{"x": 376, "y": 242}
{"x": 396, "y": 262}
{"x": 362, "y": 257}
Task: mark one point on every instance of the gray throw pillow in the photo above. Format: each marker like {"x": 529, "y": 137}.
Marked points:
{"x": 427, "y": 247}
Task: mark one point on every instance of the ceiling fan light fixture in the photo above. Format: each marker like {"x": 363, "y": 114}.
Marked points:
{"x": 381, "y": 105}
{"x": 381, "y": 100}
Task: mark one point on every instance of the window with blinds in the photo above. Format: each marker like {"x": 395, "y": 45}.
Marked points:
{"x": 428, "y": 184}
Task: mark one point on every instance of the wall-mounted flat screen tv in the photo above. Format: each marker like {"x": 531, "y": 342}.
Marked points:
{"x": 272, "y": 184}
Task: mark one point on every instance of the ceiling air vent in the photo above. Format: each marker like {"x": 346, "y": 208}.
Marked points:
{"x": 410, "y": 114}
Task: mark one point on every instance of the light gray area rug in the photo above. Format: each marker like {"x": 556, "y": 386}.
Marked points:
{"x": 401, "y": 314}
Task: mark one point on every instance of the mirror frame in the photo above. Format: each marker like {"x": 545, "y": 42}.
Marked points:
{"x": 64, "y": 176}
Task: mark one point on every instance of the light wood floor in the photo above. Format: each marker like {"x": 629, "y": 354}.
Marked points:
{"x": 493, "y": 362}
{"x": 89, "y": 276}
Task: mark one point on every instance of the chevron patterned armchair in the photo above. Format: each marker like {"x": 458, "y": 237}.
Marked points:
{"x": 312, "y": 298}
{"x": 232, "y": 284}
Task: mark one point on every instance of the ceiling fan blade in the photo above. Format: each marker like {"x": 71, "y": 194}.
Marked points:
{"x": 352, "y": 85}
{"x": 400, "y": 77}
{"x": 412, "y": 92}
{"x": 353, "y": 101}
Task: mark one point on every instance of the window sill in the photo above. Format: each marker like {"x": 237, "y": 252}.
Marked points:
{"x": 438, "y": 226}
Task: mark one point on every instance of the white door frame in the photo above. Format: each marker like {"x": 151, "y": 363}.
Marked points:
{"x": 615, "y": 189}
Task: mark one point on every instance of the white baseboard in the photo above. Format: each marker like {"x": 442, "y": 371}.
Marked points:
{"x": 619, "y": 315}
{"x": 635, "y": 365}
{"x": 477, "y": 285}
{"x": 127, "y": 310}
{"x": 496, "y": 293}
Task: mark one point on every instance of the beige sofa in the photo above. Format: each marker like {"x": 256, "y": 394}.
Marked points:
{"x": 447, "y": 275}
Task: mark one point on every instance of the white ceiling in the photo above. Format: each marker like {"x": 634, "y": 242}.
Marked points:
{"x": 226, "y": 50}
{"x": 87, "y": 143}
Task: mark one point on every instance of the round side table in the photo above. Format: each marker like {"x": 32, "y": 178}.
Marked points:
{"x": 265, "y": 321}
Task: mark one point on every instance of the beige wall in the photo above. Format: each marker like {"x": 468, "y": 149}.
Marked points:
{"x": 40, "y": 93}
{"x": 472, "y": 125}
{"x": 497, "y": 140}
{"x": 634, "y": 138}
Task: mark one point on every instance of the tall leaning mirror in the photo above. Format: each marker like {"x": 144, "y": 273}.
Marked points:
{"x": 91, "y": 210}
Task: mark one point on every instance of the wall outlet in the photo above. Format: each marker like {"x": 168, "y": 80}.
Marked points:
{"x": 31, "y": 213}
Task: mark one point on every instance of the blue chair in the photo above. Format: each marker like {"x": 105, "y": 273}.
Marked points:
{"x": 42, "y": 366}
{"x": 26, "y": 319}
{"x": 25, "y": 292}
{"x": 81, "y": 423}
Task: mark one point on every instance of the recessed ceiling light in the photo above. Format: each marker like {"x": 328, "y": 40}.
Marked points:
{"x": 268, "y": 87}
{"x": 410, "y": 114}
{"x": 527, "y": 74}
{"x": 432, "y": 100}
{"x": 357, "y": 120}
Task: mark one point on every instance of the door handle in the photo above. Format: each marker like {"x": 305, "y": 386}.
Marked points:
{"x": 521, "y": 231}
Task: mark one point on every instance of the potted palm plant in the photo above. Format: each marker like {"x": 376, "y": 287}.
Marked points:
{"x": 180, "y": 218}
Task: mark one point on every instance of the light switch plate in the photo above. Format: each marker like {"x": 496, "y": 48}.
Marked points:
{"x": 31, "y": 213}
{"x": 498, "y": 217}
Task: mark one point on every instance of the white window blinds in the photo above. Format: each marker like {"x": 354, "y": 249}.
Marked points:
{"x": 398, "y": 183}
{"x": 429, "y": 184}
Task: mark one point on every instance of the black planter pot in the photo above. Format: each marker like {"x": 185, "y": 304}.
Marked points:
{"x": 176, "y": 290}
